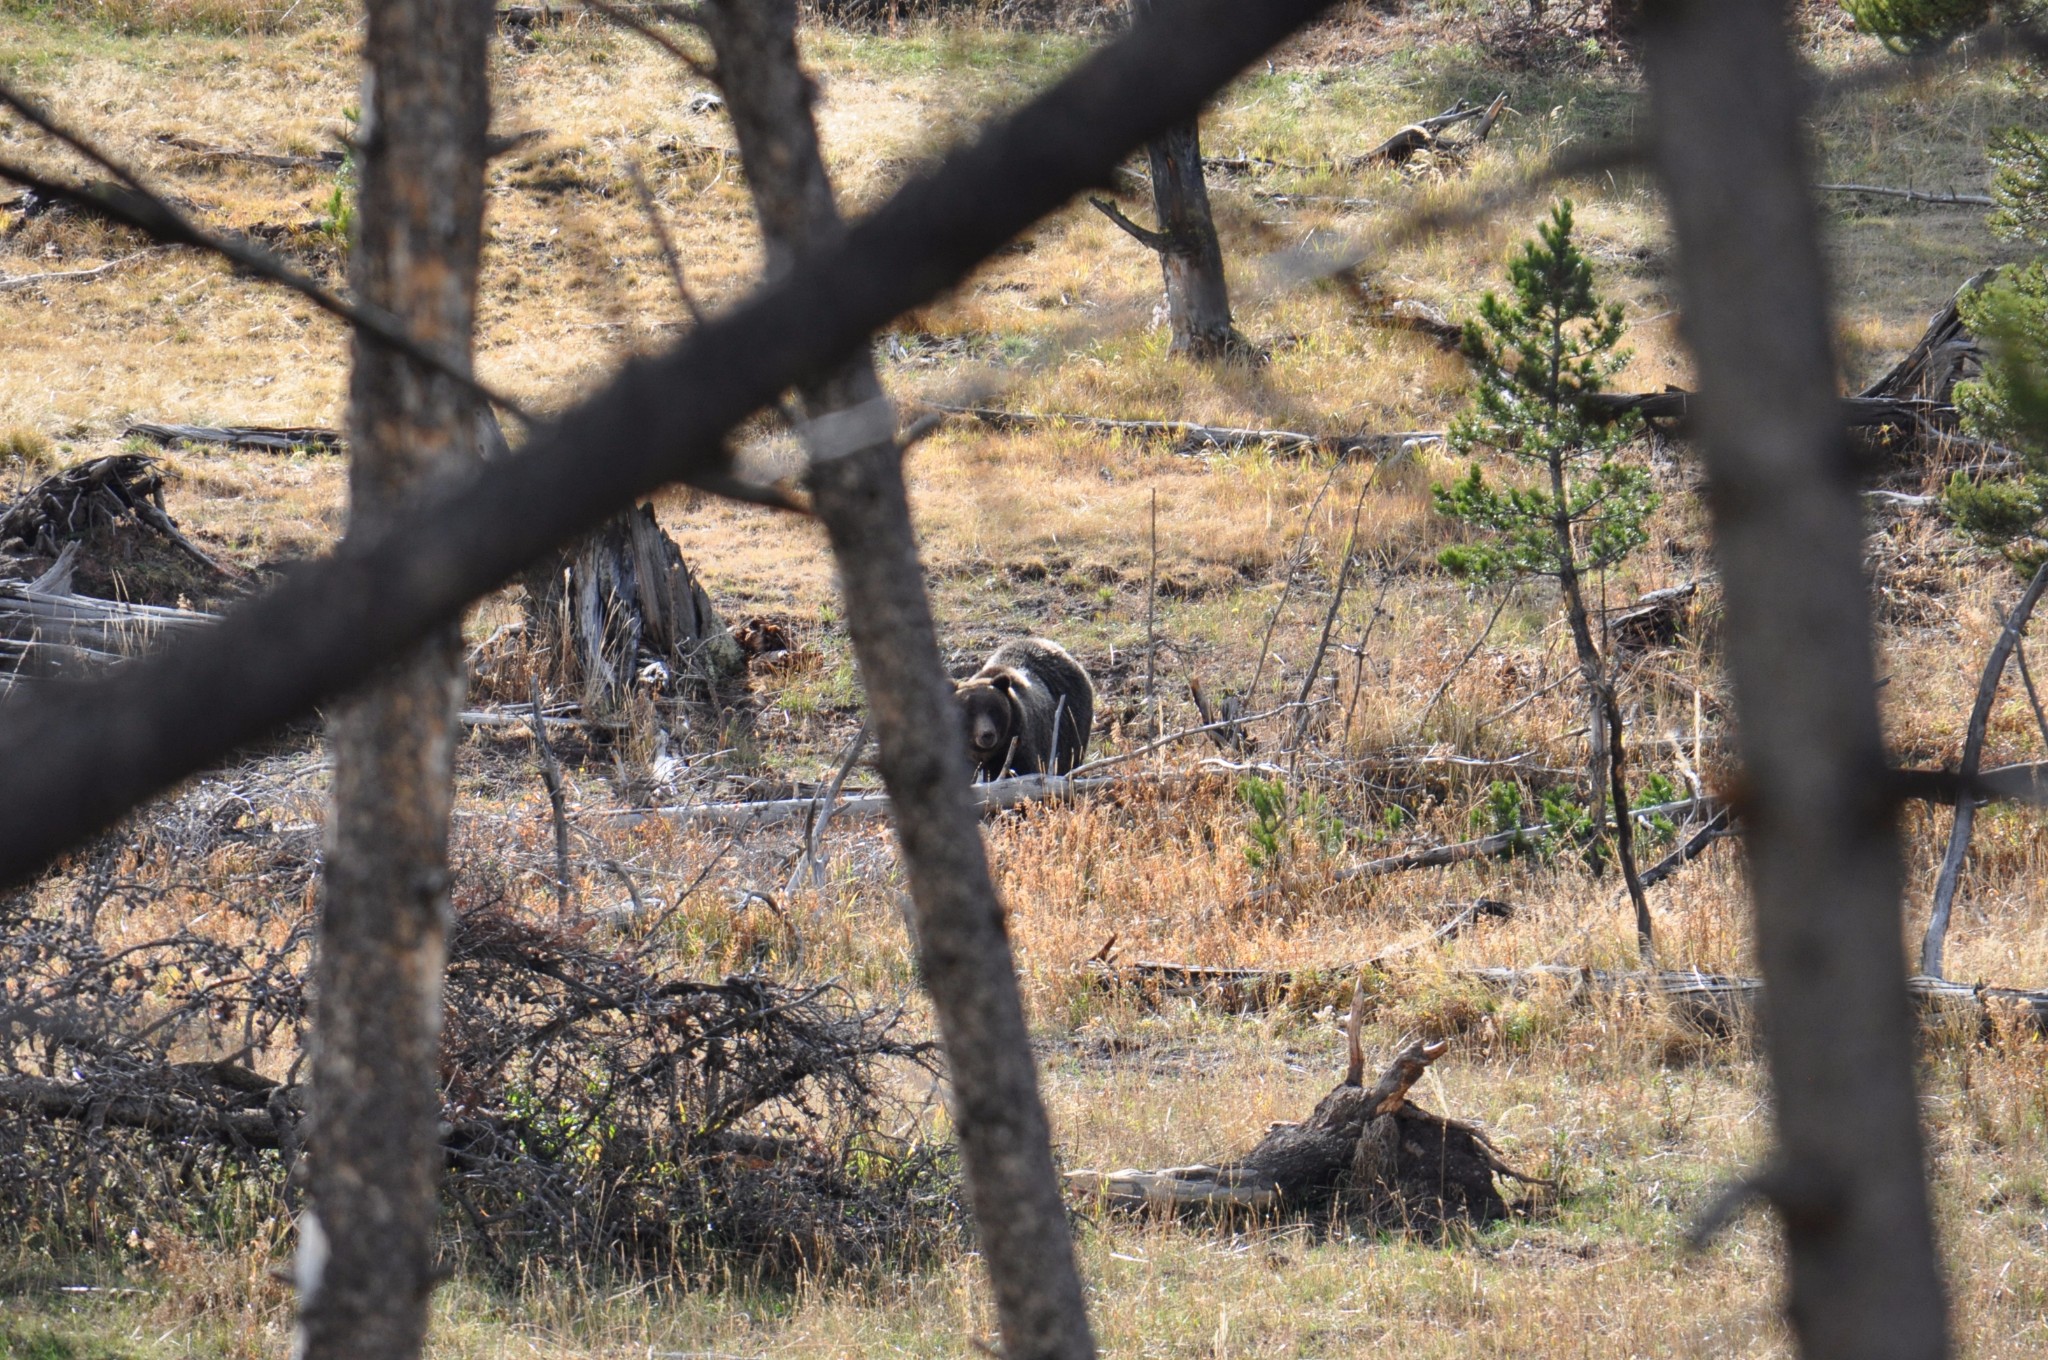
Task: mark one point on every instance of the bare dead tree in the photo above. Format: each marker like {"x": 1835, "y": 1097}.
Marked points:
{"x": 856, "y": 480}
{"x": 1848, "y": 1177}
{"x": 366, "y": 1244}
{"x": 1197, "y": 294}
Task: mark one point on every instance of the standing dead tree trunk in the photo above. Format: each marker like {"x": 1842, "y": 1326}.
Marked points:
{"x": 366, "y": 1245}
{"x": 1848, "y": 1177}
{"x": 857, "y": 485}
{"x": 1197, "y": 295}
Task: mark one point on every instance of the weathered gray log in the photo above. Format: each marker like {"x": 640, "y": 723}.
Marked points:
{"x": 1945, "y": 354}
{"x": 1715, "y": 1002}
{"x": 1950, "y": 199}
{"x": 323, "y": 160}
{"x": 1191, "y": 435}
{"x": 262, "y": 438}
{"x": 45, "y": 629}
{"x": 17, "y": 282}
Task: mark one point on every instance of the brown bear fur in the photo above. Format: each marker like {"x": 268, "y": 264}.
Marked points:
{"x": 1028, "y": 710}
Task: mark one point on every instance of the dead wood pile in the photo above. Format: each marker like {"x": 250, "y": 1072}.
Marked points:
{"x": 597, "y": 1106}
{"x": 47, "y": 629}
{"x": 1366, "y": 1153}
{"x": 120, "y": 492}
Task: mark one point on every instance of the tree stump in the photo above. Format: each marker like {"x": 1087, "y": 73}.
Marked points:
{"x": 620, "y": 611}
{"x": 1365, "y": 1153}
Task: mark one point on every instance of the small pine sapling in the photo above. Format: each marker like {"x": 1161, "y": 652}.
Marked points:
{"x": 2009, "y": 404}
{"x": 1538, "y": 354}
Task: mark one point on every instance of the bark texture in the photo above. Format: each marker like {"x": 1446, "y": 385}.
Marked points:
{"x": 366, "y": 1266}
{"x": 1849, "y": 1178}
{"x": 963, "y": 948}
{"x": 1190, "y": 258}
{"x": 1197, "y": 297}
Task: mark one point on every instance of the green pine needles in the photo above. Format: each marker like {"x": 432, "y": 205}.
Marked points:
{"x": 2009, "y": 404}
{"x": 1537, "y": 356}
{"x": 1918, "y": 25}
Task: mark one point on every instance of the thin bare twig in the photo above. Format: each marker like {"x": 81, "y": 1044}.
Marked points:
{"x": 1463, "y": 661}
{"x": 551, "y": 776}
{"x": 1973, "y": 752}
{"x": 674, "y": 262}
{"x": 1315, "y": 664}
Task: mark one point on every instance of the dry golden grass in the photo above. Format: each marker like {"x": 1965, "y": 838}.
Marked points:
{"x": 1047, "y": 530}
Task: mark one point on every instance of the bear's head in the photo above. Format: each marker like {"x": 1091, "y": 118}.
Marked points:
{"x": 991, "y": 715}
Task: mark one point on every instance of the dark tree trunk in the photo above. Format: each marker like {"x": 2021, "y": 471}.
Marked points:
{"x": 963, "y": 951}
{"x": 1848, "y": 1176}
{"x": 1607, "y": 763}
{"x": 1197, "y": 298}
{"x": 366, "y": 1250}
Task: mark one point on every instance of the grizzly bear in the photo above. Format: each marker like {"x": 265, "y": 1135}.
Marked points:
{"x": 1029, "y": 710}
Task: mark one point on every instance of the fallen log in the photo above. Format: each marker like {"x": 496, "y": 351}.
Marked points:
{"x": 202, "y": 151}
{"x": 1501, "y": 842}
{"x": 1715, "y": 1003}
{"x": 45, "y": 629}
{"x": 1365, "y": 1153}
{"x": 1239, "y": 990}
{"x": 1193, "y": 437}
{"x": 261, "y": 438}
{"x": 9, "y": 284}
{"x": 1429, "y": 134}
{"x": 1947, "y": 200}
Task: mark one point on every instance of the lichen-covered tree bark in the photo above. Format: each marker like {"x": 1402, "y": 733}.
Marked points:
{"x": 856, "y": 480}
{"x": 366, "y": 1251}
{"x": 1848, "y": 1176}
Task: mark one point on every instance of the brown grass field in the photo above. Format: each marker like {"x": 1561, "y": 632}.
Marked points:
{"x": 1047, "y": 531}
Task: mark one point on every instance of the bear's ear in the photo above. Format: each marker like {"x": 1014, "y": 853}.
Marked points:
{"x": 1001, "y": 680}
